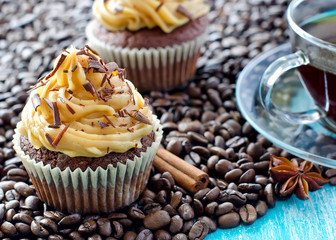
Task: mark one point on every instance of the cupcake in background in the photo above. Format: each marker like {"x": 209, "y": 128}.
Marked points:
{"x": 86, "y": 137}
{"x": 158, "y": 41}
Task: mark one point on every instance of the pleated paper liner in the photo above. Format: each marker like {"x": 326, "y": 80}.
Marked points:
{"x": 154, "y": 68}
{"x": 91, "y": 192}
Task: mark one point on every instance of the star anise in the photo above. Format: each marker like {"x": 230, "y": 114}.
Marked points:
{"x": 295, "y": 177}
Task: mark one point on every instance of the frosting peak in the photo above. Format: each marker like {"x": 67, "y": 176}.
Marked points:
{"x": 85, "y": 108}
{"x": 118, "y": 15}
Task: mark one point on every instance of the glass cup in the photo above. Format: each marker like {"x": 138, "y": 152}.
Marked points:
{"x": 312, "y": 25}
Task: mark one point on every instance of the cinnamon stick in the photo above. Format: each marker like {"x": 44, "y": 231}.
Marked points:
{"x": 189, "y": 177}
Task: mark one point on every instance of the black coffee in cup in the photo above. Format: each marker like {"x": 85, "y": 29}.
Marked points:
{"x": 321, "y": 84}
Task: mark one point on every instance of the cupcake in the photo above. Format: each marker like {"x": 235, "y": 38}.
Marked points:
{"x": 87, "y": 138}
{"x": 158, "y": 41}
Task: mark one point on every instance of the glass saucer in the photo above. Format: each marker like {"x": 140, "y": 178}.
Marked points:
{"x": 311, "y": 142}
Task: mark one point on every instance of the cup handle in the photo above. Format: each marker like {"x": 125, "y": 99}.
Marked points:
{"x": 269, "y": 78}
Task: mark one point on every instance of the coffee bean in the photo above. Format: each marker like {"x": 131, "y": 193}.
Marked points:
{"x": 87, "y": 227}
{"x": 152, "y": 207}
{"x": 38, "y": 230}
{"x": 211, "y": 208}
{"x": 55, "y": 237}
{"x": 198, "y": 206}
{"x": 229, "y": 220}
{"x": 95, "y": 237}
{"x": 75, "y": 236}
{"x": 23, "y": 189}
{"x": 145, "y": 234}
{"x": 224, "y": 208}
{"x": 70, "y": 220}
{"x": 209, "y": 222}
{"x": 32, "y": 202}
{"x": 53, "y": 215}
{"x": 233, "y": 196}
{"x": 162, "y": 235}
{"x": 247, "y": 177}
{"x": 171, "y": 211}
{"x": 176, "y": 224}
{"x": 248, "y": 214}
{"x": 104, "y": 227}
{"x": 223, "y": 166}
{"x": 135, "y": 213}
{"x": 176, "y": 199}
{"x": 156, "y": 220}
{"x": 186, "y": 211}
{"x": 261, "y": 208}
{"x": 117, "y": 229}
{"x": 249, "y": 187}
{"x": 23, "y": 217}
{"x": 212, "y": 194}
{"x": 198, "y": 231}
{"x": 180, "y": 236}
{"x": 233, "y": 175}
{"x": 269, "y": 195}
{"x": 8, "y": 228}
{"x": 22, "y": 228}
{"x": 201, "y": 193}
{"x": 130, "y": 235}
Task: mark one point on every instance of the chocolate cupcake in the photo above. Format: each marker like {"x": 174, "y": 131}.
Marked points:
{"x": 157, "y": 41}
{"x": 86, "y": 137}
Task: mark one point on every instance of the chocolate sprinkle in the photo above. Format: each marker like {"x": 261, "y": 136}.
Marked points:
{"x": 111, "y": 66}
{"x": 130, "y": 89}
{"x": 50, "y": 140}
{"x": 59, "y": 63}
{"x": 139, "y": 116}
{"x": 71, "y": 110}
{"x": 93, "y": 51}
{"x": 36, "y": 101}
{"x": 184, "y": 12}
{"x": 104, "y": 79}
{"x": 74, "y": 68}
{"x": 69, "y": 91}
{"x": 88, "y": 87}
{"x": 53, "y": 126}
{"x": 59, "y": 136}
{"x": 49, "y": 103}
{"x": 57, "y": 119}
{"x": 102, "y": 124}
{"x": 65, "y": 71}
{"x": 109, "y": 121}
{"x": 159, "y": 6}
{"x": 94, "y": 64}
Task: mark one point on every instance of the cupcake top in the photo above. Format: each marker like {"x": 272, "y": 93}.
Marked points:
{"x": 84, "y": 107}
{"x": 118, "y": 15}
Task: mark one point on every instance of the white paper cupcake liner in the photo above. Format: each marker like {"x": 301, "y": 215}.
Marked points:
{"x": 154, "y": 68}
{"x": 91, "y": 191}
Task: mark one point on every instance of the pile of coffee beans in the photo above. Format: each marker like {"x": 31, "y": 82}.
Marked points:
{"x": 201, "y": 123}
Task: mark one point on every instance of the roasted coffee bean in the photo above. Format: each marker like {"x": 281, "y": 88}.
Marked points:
{"x": 269, "y": 195}
{"x": 8, "y": 228}
{"x": 53, "y": 215}
{"x": 32, "y": 202}
{"x": 176, "y": 199}
{"x": 117, "y": 229}
{"x": 248, "y": 214}
{"x": 12, "y": 195}
{"x": 156, "y": 220}
{"x": 162, "y": 235}
{"x": 261, "y": 167}
{"x": 186, "y": 211}
{"x": 75, "y": 236}
{"x": 209, "y": 222}
{"x": 55, "y": 237}
{"x": 223, "y": 208}
{"x": 95, "y": 237}
{"x": 152, "y": 207}
{"x": 201, "y": 193}
{"x": 212, "y": 194}
{"x": 145, "y": 234}
{"x": 168, "y": 176}
{"x": 262, "y": 180}
{"x": 22, "y": 228}
{"x": 38, "y": 230}
{"x": 249, "y": 187}
{"x": 261, "y": 208}
{"x": 233, "y": 196}
{"x": 130, "y": 235}
{"x": 202, "y": 151}
{"x": 229, "y": 220}
{"x": 171, "y": 211}
{"x": 161, "y": 197}
{"x": 211, "y": 208}
{"x": 233, "y": 175}
{"x": 48, "y": 224}
{"x": 87, "y": 227}
{"x": 12, "y": 204}
{"x": 198, "y": 231}
{"x": 70, "y": 220}
{"x": 9, "y": 214}
{"x": 246, "y": 166}
{"x": 135, "y": 213}
{"x": 198, "y": 206}
{"x": 176, "y": 224}
{"x": 104, "y": 227}
{"x": 23, "y": 189}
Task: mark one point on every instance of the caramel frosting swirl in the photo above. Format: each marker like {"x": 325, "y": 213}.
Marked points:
{"x": 118, "y": 15}
{"x": 85, "y": 108}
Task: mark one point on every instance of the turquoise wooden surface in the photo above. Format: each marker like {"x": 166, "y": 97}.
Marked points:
{"x": 291, "y": 219}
